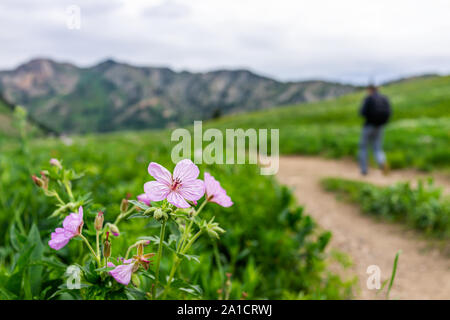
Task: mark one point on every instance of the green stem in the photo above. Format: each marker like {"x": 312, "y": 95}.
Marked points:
{"x": 191, "y": 242}
{"x": 122, "y": 216}
{"x": 56, "y": 195}
{"x": 219, "y": 263}
{"x": 188, "y": 229}
{"x": 69, "y": 190}
{"x": 128, "y": 251}
{"x": 97, "y": 241}
{"x": 178, "y": 261}
{"x": 158, "y": 258}
{"x": 201, "y": 207}
{"x": 171, "y": 274}
{"x": 90, "y": 248}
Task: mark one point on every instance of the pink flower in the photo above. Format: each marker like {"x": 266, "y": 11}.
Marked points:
{"x": 177, "y": 188}
{"x": 215, "y": 193}
{"x": 144, "y": 198}
{"x": 55, "y": 162}
{"x": 72, "y": 226}
{"x": 122, "y": 273}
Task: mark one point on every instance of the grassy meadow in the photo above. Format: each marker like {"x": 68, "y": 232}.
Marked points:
{"x": 417, "y": 136}
{"x": 271, "y": 247}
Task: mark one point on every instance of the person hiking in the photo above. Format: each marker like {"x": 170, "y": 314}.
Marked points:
{"x": 376, "y": 111}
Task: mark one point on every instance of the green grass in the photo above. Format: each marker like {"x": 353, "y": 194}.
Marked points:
{"x": 422, "y": 207}
{"x": 6, "y": 121}
{"x": 272, "y": 248}
{"x": 418, "y": 135}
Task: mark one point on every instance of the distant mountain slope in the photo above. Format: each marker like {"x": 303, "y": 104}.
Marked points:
{"x": 8, "y": 122}
{"x": 114, "y": 96}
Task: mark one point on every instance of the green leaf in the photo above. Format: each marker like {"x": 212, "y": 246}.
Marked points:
{"x": 139, "y": 204}
{"x": 106, "y": 269}
{"x": 35, "y": 272}
{"x": 138, "y": 215}
{"x": 13, "y": 237}
{"x": 7, "y": 295}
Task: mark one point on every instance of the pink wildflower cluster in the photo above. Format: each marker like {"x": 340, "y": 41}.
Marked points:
{"x": 182, "y": 186}
{"x": 182, "y": 189}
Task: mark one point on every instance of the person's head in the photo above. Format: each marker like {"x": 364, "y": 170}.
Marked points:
{"x": 371, "y": 89}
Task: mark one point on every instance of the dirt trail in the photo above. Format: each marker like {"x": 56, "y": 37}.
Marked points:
{"x": 422, "y": 273}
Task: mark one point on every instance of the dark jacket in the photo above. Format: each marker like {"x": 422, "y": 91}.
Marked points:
{"x": 376, "y": 109}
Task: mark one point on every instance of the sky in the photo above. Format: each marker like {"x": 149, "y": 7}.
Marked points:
{"x": 353, "y": 41}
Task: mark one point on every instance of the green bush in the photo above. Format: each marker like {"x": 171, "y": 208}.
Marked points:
{"x": 422, "y": 207}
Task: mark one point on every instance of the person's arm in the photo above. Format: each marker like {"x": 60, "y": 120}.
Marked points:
{"x": 364, "y": 108}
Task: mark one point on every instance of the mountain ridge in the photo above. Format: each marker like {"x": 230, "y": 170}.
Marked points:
{"x": 113, "y": 95}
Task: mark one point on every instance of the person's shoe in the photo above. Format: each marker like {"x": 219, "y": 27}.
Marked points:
{"x": 385, "y": 169}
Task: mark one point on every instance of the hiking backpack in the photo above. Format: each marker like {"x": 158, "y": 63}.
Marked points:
{"x": 380, "y": 110}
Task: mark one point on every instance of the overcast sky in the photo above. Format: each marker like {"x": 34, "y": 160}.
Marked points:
{"x": 345, "y": 40}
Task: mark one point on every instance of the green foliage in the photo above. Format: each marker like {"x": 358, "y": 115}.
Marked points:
{"x": 272, "y": 249}
{"x": 422, "y": 207}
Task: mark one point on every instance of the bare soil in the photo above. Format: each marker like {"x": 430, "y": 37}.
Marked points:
{"x": 423, "y": 270}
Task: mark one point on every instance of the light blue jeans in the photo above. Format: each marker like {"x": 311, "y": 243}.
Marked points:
{"x": 371, "y": 135}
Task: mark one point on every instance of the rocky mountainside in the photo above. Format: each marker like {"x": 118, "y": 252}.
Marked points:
{"x": 115, "y": 96}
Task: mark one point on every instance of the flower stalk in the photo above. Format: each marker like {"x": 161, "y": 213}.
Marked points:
{"x": 158, "y": 257}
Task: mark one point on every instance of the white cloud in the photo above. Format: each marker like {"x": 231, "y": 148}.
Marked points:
{"x": 346, "y": 40}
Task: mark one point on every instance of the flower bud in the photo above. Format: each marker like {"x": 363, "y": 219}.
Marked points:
{"x": 114, "y": 229}
{"x": 107, "y": 249}
{"x": 160, "y": 214}
{"x": 44, "y": 179}
{"x": 213, "y": 229}
{"x": 38, "y": 181}
{"x": 135, "y": 280}
{"x": 149, "y": 211}
{"x": 98, "y": 224}
{"x": 56, "y": 163}
{"x": 124, "y": 205}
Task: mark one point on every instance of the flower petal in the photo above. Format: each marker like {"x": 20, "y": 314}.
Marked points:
{"x": 160, "y": 173}
{"x": 177, "y": 200}
{"x": 156, "y": 191}
{"x": 211, "y": 185}
{"x": 144, "y": 198}
{"x": 185, "y": 170}
{"x": 224, "y": 200}
{"x": 73, "y": 222}
{"x": 215, "y": 193}
{"x": 59, "y": 238}
{"x": 192, "y": 190}
{"x": 122, "y": 273}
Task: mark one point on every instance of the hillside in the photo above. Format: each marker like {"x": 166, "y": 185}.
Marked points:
{"x": 114, "y": 96}
{"x": 418, "y": 135}
{"x": 6, "y": 123}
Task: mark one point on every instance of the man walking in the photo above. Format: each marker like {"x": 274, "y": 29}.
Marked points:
{"x": 376, "y": 111}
